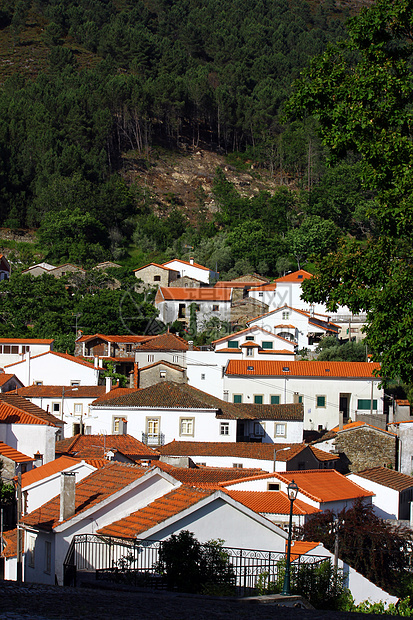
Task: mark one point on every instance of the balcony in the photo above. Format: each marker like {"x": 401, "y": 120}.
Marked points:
{"x": 153, "y": 439}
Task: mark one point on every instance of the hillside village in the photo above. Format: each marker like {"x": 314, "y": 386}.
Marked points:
{"x": 205, "y": 438}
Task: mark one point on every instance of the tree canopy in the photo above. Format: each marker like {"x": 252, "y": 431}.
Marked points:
{"x": 360, "y": 91}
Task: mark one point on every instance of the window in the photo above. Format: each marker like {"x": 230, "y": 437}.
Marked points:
{"x": 128, "y": 348}
{"x": 119, "y": 425}
{"x": 273, "y": 486}
{"x": 249, "y": 338}
{"x": 175, "y": 359}
{"x": 275, "y": 399}
{"x": 181, "y": 311}
{"x": 250, "y": 352}
{"x": 78, "y": 408}
{"x": 215, "y": 308}
{"x": 151, "y": 358}
{"x": 76, "y": 429}
{"x": 259, "y": 429}
{"x": 267, "y": 344}
{"x": 88, "y": 430}
{"x": 237, "y": 465}
{"x": 25, "y": 349}
{"x": 202, "y": 377}
{"x": 280, "y": 430}
{"x": 31, "y": 543}
{"x": 186, "y": 426}
{"x": 364, "y": 404}
{"x": 55, "y": 408}
{"x": 6, "y": 349}
{"x": 74, "y": 383}
{"x": 156, "y": 278}
{"x": 47, "y": 557}
{"x": 285, "y": 315}
{"x": 321, "y": 401}
{"x": 152, "y": 426}
{"x": 15, "y": 350}
{"x": 224, "y": 428}
{"x": 260, "y": 294}
{"x": 162, "y": 374}
{"x": 237, "y": 398}
{"x": 258, "y": 398}
{"x": 38, "y": 382}
{"x": 233, "y": 344}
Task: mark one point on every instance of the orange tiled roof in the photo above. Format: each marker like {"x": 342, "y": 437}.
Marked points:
{"x": 185, "y": 262}
{"x": 66, "y": 356}
{"x": 156, "y": 512}
{"x": 156, "y": 265}
{"x": 26, "y": 340}
{"x": 109, "y": 338}
{"x": 296, "y": 276}
{"x": 271, "y": 502}
{"x": 15, "y": 409}
{"x": 48, "y": 469}
{"x": 302, "y": 368}
{"x": 260, "y": 451}
{"x": 14, "y": 455}
{"x": 162, "y": 363}
{"x": 95, "y": 446}
{"x": 387, "y": 477}
{"x": 114, "y": 393}
{"x": 61, "y": 391}
{"x": 5, "y": 377}
{"x": 165, "y": 342}
{"x": 324, "y": 485}
{"x": 234, "y": 284}
{"x": 10, "y": 538}
{"x": 90, "y": 491}
{"x": 209, "y": 476}
{"x": 195, "y": 294}
{"x": 256, "y": 330}
{"x": 271, "y": 286}
{"x": 357, "y": 424}
{"x": 301, "y": 547}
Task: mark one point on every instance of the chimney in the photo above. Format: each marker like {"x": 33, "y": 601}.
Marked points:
{"x": 96, "y": 361}
{"x": 340, "y": 420}
{"x": 108, "y": 382}
{"x": 296, "y": 398}
{"x": 191, "y": 261}
{"x": 67, "y": 495}
{"x": 190, "y": 345}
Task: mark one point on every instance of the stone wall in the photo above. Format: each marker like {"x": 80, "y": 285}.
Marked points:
{"x": 366, "y": 447}
{"x": 160, "y": 372}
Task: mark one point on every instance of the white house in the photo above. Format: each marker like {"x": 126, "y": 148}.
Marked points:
{"x": 287, "y": 291}
{"x": 205, "y": 368}
{"x": 192, "y": 270}
{"x": 267, "y": 456}
{"x": 13, "y": 462}
{"x": 5, "y": 269}
{"x": 165, "y": 411}
{"x": 41, "y": 484}
{"x": 68, "y": 403}
{"x": 404, "y": 432}
{"x": 324, "y": 388}
{"x": 27, "y": 428}
{"x": 52, "y": 368}
{"x": 304, "y": 329}
{"x": 16, "y": 349}
{"x": 393, "y": 491}
{"x": 174, "y": 303}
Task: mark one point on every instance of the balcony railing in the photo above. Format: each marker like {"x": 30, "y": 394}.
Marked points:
{"x": 152, "y": 439}
{"x": 133, "y": 561}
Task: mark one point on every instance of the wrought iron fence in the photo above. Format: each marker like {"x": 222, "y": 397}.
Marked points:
{"x": 133, "y": 561}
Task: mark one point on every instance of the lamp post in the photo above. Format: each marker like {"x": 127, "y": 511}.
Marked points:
{"x": 292, "y": 491}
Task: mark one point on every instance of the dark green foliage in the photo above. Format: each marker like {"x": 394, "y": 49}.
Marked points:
{"x": 367, "y": 543}
{"x": 333, "y": 350}
{"x": 189, "y": 566}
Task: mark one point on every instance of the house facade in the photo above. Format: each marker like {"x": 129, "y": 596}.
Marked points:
{"x": 52, "y": 368}
{"x": 324, "y": 388}
{"x": 166, "y": 411}
{"x": 156, "y": 275}
{"x": 393, "y": 491}
{"x": 16, "y": 349}
{"x": 174, "y": 304}
{"x": 192, "y": 270}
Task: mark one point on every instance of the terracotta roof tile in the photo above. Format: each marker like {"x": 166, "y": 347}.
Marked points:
{"x": 163, "y": 363}
{"x": 61, "y": 391}
{"x": 387, "y": 477}
{"x": 165, "y": 342}
{"x": 185, "y": 262}
{"x": 6, "y": 377}
{"x": 114, "y": 393}
{"x": 10, "y": 538}
{"x": 14, "y": 455}
{"x": 296, "y": 276}
{"x": 324, "y": 485}
{"x": 356, "y": 425}
{"x": 15, "y": 409}
{"x": 156, "y": 512}
{"x": 301, "y": 547}
{"x": 66, "y": 356}
{"x": 271, "y": 502}
{"x": 209, "y": 476}
{"x": 26, "y": 340}
{"x": 126, "y": 339}
{"x": 260, "y": 451}
{"x": 95, "y": 446}
{"x": 168, "y": 395}
{"x": 90, "y": 491}
{"x": 195, "y": 294}
{"x": 156, "y": 265}
{"x": 277, "y": 368}
{"x": 48, "y": 469}
{"x": 255, "y": 330}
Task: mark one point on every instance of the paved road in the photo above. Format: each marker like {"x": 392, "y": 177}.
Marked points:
{"x": 38, "y": 602}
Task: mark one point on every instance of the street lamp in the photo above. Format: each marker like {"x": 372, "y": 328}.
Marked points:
{"x": 292, "y": 491}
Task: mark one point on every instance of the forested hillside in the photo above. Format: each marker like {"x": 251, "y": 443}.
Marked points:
{"x": 95, "y": 93}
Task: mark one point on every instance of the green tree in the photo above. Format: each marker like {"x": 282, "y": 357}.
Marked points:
{"x": 361, "y": 94}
